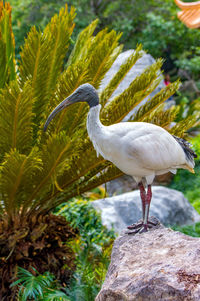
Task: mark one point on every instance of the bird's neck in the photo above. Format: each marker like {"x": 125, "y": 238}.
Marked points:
{"x": 94, "y": 125}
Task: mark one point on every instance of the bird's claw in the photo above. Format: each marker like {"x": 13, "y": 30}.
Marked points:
{"x": 140, "y": 227}
{"x": 136, "y": 225}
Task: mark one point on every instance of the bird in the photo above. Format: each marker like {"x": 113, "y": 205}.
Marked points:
{"x": 139, "y": 149}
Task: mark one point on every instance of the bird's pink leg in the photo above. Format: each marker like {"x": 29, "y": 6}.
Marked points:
{"x": 145, "y": 225}
{"x": 147, "y": 206}
{"x": 143, "y": 198}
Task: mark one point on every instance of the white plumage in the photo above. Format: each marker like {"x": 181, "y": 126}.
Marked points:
{"x": 141, "y": 150}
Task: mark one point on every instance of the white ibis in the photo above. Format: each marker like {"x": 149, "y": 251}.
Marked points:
{"x": 141, "y": 150}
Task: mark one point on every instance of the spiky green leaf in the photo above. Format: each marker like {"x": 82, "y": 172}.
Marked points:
{"x": 16, "y": 118}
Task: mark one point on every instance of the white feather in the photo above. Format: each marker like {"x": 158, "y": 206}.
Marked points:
{"x": 139, "y": 149}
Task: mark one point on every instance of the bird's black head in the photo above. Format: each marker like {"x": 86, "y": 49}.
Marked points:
{"x": 84, "y": 93}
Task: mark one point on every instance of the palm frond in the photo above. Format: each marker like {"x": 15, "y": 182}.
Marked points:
{"x": 54, "y": 155}
{"x": 102, "y": 54}
{"x": 4, "y": 76}
{"x": 162, "y": 117}
{"x": 16, "y": 118}
{"x": 120, "y": 75}
{"x": 155, "y": 101}
{"x": 7, "y": 46}
{"x": 60, "y": 30}
{"x": 180, "y": 128}
{"x": 16, "y": 179}
{"x": 140, "y": 88}
{"x": 42, "y": 58}
{"x": 80, "y": 49}
{"x": 109, "y": 173}
{"x": 55, "y": 295}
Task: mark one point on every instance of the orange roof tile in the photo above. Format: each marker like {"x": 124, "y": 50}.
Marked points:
{"x": 190, "y": 13}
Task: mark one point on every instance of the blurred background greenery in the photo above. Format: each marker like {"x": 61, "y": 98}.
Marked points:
{"x": 153, "y": 23}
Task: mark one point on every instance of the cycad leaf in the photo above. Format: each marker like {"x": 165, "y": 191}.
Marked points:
{"x": 140, "y": 88}
{"x": 80, "y": 49}
{"x": 162, "y": 117}
{"x": 60, "y": 30}
{"x": 54, "y": 153}
{"x": 4, "y": 66}
{"x": 120, "y": 75}
{"x": 42, "y": 58}
{"x": 16, "y": 118}
{"x": 16, "y": 178}
{"x": 7, "y": 45}
{"x": 109, "y": 173}
{"x": 102, "y": 54}
{"x": 182, "y": 126}
{"x": 155, "y": 101}
{"x": 73, "y": 77}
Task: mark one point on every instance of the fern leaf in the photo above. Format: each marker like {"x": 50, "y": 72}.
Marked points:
{"x": 16, "y": 118}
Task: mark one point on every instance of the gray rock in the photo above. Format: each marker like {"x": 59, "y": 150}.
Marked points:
{"x": 158, "y": 265}
{"x": 168, "y": 205}
{"x": 145, "y": 61}
{"x": 126, "y": 183}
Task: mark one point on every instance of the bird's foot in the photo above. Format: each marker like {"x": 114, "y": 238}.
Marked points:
{"x": 140, "y": 227}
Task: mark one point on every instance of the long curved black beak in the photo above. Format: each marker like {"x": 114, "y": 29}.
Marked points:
{"x": 66, "y": 102}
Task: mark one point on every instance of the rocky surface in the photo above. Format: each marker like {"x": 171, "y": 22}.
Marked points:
{"x": 158, "y": 265}
{"x": 145, "y": 61}
{"x": 168, "y": 205}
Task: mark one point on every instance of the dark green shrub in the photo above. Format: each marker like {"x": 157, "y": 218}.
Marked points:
{"x": 93, "y": 249}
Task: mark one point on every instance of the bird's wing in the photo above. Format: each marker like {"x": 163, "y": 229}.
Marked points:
{"x": 155, "y": 149}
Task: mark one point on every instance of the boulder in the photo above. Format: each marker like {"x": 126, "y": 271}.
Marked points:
{"x": 145, "y": 61}
{"x": 126, "y": 183}
{"x": 168, "y": 205}
{"x": 157, "y": 265}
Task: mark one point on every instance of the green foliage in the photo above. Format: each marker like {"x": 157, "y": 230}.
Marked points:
{"x": 93, "y": 249}
{"x": 167, "y": 32}
{"x": 38, "y": 287}
{"x": 7, "y": 46}
{"x": 191, "y": 230}
{"x": 190, "y": 61}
